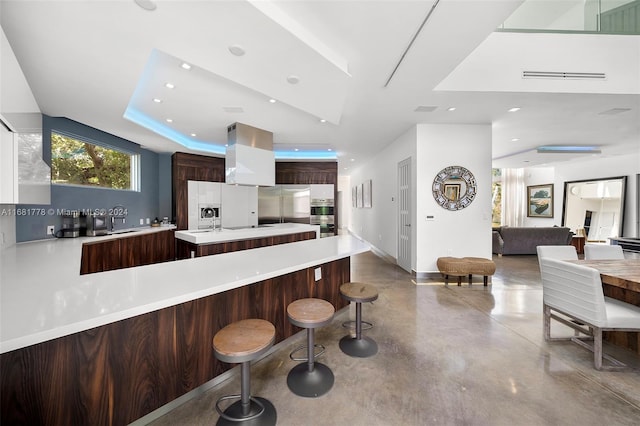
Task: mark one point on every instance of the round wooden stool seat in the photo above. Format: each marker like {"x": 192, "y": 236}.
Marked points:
{"x": 244, "y": 340}
{"x": 310, "y": 313}
{"x": 359, "y": 292}
{"x": 241, "y": 342}
{"x": 310, "y": 379}
{"x": 358, "y": 346}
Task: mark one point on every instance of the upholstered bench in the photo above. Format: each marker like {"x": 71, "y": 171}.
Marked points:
{"x": 465, "y": 266}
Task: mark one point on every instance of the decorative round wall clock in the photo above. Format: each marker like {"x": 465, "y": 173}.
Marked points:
{"x": 454, "y": 188}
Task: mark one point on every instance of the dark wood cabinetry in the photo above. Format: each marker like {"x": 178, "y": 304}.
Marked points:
{"x": 185, "y": 167}
{"x": 184, "y": 248}
{"x": 119, "y": 372}
{"x": 127, "y": 252}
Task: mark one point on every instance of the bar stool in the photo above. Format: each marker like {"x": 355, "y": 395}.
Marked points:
{"x": 310, "y": 379}
{"x": 358, "y": 346}
{"x": 241, "y": 342}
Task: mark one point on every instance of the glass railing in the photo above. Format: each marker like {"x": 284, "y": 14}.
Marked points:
{"x": 590, "y": 16}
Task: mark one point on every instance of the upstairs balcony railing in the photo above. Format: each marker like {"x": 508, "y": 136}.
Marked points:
{"x": 586, "y": 16}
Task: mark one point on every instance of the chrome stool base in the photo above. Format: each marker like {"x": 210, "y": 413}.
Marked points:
{"x": 361, "y": 348}
{"x": 261, "y": 413}
{"x": 366, "y": 325}
{"x": 315, "y": 355}
{"x": 310, "y": 384}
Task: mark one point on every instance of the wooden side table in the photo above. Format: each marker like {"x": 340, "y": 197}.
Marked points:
{"x": 578, "y": 243}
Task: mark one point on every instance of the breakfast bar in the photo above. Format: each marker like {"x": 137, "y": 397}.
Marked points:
{"x": 110, "y": 347}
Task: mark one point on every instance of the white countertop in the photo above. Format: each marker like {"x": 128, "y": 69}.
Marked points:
{"x": 43, "y": 296}
{"x": 225, "y": 234}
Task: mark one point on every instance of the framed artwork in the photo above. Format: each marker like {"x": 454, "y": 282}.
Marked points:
{"x": 540, "y": 201}
{"x": 359, "y": 203}
{"x": 366, "y": 194}
{"x": 354, "y": 197}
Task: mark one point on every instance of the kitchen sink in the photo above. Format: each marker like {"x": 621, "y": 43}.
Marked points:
{"x": 124, "y": 231}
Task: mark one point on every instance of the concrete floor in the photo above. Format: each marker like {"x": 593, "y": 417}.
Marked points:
{"x": 447, "y": 356}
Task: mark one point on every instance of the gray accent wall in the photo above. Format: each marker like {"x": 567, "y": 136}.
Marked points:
{"x": 153, "y": 200}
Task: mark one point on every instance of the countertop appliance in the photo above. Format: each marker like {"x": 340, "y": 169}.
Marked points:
{"x": 71, "y": 224}
{"x": 96, "y": 224}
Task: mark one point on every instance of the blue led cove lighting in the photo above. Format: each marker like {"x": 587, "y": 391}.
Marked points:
{"x": 161, "y": 129}
{"x": 569, "y": 149}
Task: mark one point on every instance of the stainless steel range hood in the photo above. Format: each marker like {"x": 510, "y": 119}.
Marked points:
{"x": 249, "y": 159}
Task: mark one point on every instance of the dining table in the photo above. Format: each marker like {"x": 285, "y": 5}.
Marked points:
{"x": 621, "y": 281}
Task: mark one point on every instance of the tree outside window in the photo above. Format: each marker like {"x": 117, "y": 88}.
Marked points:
{"x": 75, "y": 162}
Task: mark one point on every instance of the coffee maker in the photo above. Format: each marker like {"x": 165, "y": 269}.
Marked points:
{"x": 71, "y": 224}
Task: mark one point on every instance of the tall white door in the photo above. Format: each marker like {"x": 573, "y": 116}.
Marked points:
{"x": 404, "y": 214}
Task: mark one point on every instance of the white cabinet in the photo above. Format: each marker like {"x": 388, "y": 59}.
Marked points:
{"x": 26, "y": 178}
{"x": 321, "y": 191}
{"x": 8, "y": 167}
{"x": 239, "y": 206}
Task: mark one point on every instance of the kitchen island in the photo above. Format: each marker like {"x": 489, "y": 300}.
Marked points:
{"x": 206, "y": 242}
{"x": 110, "y": 347}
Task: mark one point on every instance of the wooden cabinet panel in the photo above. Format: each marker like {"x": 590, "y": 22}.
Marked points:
{"x": 185, "y": 167}
{"x": 117, "y": 373}
{"x": 184, "y": 249}
{"x": 127, "y": 252}
{"x": 99, "y": 257}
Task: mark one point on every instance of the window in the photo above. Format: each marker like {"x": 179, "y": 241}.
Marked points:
{"x": 496, "y": 197}
{"x": 77, "y": 162}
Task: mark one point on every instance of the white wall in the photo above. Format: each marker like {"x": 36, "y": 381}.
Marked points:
{"x": 378, "y": 225}
{"x": 627, "y": 165}
{"x": 432, "y": 147}
{"x": 344, "y": 202}
{"x": 465, "y": 232}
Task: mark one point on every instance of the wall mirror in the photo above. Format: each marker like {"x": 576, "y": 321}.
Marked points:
{"x": 595, "y": 208}
{"x": 454, "y": 188}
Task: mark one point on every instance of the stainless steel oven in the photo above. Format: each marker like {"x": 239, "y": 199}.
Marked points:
{"x": 322, "y": 214}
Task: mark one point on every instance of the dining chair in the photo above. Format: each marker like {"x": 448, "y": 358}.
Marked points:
{"x": 602, "y": 252}
{"x": 572, "y": 295}
{"x": 556, "y": 252}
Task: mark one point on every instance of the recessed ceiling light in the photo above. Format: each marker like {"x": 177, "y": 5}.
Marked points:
{"x": 156, "y": 100}
{"x": 236, "y": 50}
{"x": 451, "y": 109}
{"x": 296, "y": 149}
{"x": 186, "y": 66}
{"x": 353, "y": 159}
{"x": 273, "y": 101}
{"x": 146, "y": 4}
{"x": 329, "y": 149}
{"x": 514, "y": 109}
{"x": 193, "y": 135}
{"x": 515, "y": 140}
{"x": 169, "y": 120}
{"x": 169, "y": 86}
{"x": 293, "y": 79}
{"x": 322, "y": 120}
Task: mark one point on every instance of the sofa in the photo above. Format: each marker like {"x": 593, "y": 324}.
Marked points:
{"x": 524, "y": 240}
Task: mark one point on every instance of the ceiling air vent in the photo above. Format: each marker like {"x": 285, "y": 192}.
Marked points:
{"x": 232, "y": 109}
{"x": 425, "y": 108}
{"x": 564, "y": 75}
